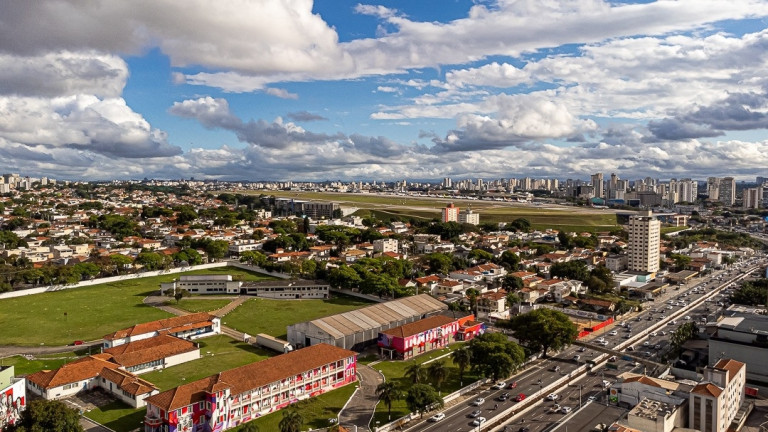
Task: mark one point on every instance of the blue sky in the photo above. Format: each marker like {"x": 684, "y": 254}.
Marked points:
{"x": 328, "y": 90}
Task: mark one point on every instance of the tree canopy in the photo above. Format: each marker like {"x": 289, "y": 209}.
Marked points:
{"x": 494, "y": 356}
{"x": 47, "y": 416}
{"x": 542, "y": 329}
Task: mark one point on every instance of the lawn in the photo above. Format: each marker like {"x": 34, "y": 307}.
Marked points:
{"x": 315, "y": 411}
{"x": 218, "y": 353}
{"x": 199, "y": 305}
{"x": 23, "y": 366}
{"x": 118, "y": 417}
{"x": 395, "y": 371}
{"x": 88, "y": 313}
{"x": 273, "y": 316}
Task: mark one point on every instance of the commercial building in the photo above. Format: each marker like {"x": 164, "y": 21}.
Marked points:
{"x": 230, "y": 398}
{"x": 359, "y": 328}
{"x": 598, "y": 184}
{"x": 742, "y": 336}
{"x": 13, "y": 397}
{"x": 450, "y": 213}
{"x": 644, "y": 238}
{"x": 287, "y": 289}
{"x": 714, "y": 403}
{"x": 203, "y": 284}
{"x": 385, "y": 245}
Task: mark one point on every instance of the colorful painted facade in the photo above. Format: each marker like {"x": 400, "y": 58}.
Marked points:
{"x": 418, "y": 337}
{"x": 13, "y": 397}
{"x": 236, "y": 396}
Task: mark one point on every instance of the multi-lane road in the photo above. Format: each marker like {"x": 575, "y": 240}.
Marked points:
{"x": 644, "y": 335}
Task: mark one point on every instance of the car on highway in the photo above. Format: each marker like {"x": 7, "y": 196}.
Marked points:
{"x": 520, "y": 397}
{"x": 555, "y": 408}
{"x": 582, "y": 349}
{"x": 613, "y": 333}
{"x": 603, "y": 343}
{"x": 565, "y": 409}
{"x": 475, "y": 413}
{"x": 503, "y": 397}
{"x": 592, "y": 398}
{"x": 576, "y": 358}
{"x": 512, "y": 385}
{"x": 478, "y": 421}
{"x": 437, "y": 417}
{"x": 552, "y": 396}
{"x": 612, "y": 359}
{"x": 478, "y": 401}
{"x": 499, "y": 385}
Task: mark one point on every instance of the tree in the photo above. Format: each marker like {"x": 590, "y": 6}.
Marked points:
{"x": 255, "y": 258}
{"x": 344, "y": 277}
{"x": 751, "y": 293}
{"x": 421, "y": 398}
{"x": 512, "y": 299}
{"x": 217, "y": 249}
{"x": 520, "y": 224}
{"x": 565, "y": 239}
{"x": 542, "y": 329}
{"x": 462, "y": 358}
{"x": 48, "y": 416}
{"x": 150, "y": 260}
{"x": 250, "y": 427}
{"x": 438, "y": 372}
{"x": 493, "y": 355}
{"x": 480, "y": 255}
{"x": 292, "y": 421}
{"x": 512, "y": 283}
{"x": 119, "y": 261}
{"x": 440, "y": 263}
{"x": 571, "y": 270}
{"x": 388, "y": 392}
{"x": 415, "y": 371}
{"x": 509, "y": 260}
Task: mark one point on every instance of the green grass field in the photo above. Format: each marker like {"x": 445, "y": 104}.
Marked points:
{"x": 273, "y": 316}
{"x": 88, "y": 313}
{"x": 118, "y": 417}
{"x": 217, "y": 353}
{"x": 395, "y": 371}
{"x": 23, "y": 366}
{"x": 195, "y": 305}
{"x": 315, "y": 411}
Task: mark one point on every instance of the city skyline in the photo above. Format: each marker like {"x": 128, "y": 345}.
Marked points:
{"x": 355, "y": 91}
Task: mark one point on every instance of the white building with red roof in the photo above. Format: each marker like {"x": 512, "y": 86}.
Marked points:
{"x": 715, "y": 402}
{"x": 190, "y": 326}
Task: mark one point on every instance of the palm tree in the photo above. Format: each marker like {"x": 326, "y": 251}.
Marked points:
{"x": 292, "y": 421}
{"x": 438, "y": 371}
{"x": 462, "y": 359}
{"x": 250, "y": 427}
{"x": 415, "y": 371}
{"x": 388, "y": 392}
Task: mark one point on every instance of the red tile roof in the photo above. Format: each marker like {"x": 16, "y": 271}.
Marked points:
{"x": 419, "y": 326}
{"x": 78, "y": 370}
{"x": 178, "y": 323}
{"x": 147, "y": 350}
{"x": 251, "y": 376}
{"x": 732, "y": 366}
{"x": 128, "y": 381}
{"x": 707, "y": 389}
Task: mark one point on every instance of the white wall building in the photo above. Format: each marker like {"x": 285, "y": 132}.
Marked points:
{"x": 713, "y": 404}
{"x": 644, "y": 237}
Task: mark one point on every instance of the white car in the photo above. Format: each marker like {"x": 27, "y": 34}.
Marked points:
{"x": 478, "y": 421}
{"x": 437, "y": 417}
{"x": 613, "y": 333}
{"x": 654, "y": 334}
{"x": 600, "y": 339}
{"x": 565, "y": 409}
{"x": 687, "y": 318}
{"x": 552, "y": 396}
{"x": 499, "y": 385}
{"x": 479, "y": 401}
{"x": 603, "y": 343}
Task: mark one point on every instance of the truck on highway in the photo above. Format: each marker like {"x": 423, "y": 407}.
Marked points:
{"x": 273, "y": 343}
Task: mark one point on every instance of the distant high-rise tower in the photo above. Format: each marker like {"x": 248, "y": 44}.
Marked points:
{"x": 727, "y": 193}
{"x": 450, "y": 213}
{"x": 713, "y": 188}
{"x": 597, "y": 183}
{"x": 751, "y": 198}
{"x": 644, "y": 238}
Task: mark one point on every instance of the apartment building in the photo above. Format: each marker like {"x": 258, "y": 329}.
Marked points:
{"x": 450, "y": 213}
{"x": 644, "y": 237}
{"x": 713, "y": 404}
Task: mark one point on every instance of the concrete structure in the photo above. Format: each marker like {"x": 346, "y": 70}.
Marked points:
{"x": 13, "y": 397}
{"x": 713, "y": 404}
{"x": 450, "y": 213}
{"x": 152, "y": 354}
{"x": 470, "y": 217}
{"x": 655, "y": 416}
{"x": 204, "y": 284}
{"x": 287, "y": 289}
{"x": 742, "y": 336}
{"x": 598, "y": 185}
{"x": 616, "y": 263}
{"x": 236, "y": 396}
{"x": 311, "y": 209}
{"x": 727, "y": 191}
{"x": 385, "y": 245}
{"x": 751, "y": 198}
{"x": 644, "y": 237}
{"x": 358, "y": 328}
{"x": 190, "y": 326}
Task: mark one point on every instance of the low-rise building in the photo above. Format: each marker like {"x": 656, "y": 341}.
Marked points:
{"x": 287, "y": 289}
{"x": 190, "y": 326}
{"x": 412, "y": 339}
{"x": 230, "y": 398}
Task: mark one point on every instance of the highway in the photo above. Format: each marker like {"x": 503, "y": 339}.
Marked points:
{"x": 564, "y": 375}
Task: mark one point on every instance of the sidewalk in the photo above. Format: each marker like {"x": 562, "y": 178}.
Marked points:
{"x": 361, "y": 406}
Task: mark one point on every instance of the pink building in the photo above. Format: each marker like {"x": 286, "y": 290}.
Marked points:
{"x": 230, "y": 398}
{"x": 418, "y": 337}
